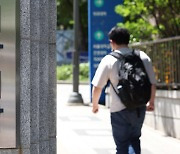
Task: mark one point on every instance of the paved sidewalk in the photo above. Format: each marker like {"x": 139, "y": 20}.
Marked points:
{"x": 79, "y": 131}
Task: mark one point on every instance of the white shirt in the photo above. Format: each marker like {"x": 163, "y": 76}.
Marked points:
{"x": 108, "y": 70}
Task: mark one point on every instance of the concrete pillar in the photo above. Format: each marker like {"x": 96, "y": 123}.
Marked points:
{"x": 36, "y": 123}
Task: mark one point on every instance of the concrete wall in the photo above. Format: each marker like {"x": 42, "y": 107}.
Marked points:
{"x": 37, "y": 79}
{"x": 166, "y": 116}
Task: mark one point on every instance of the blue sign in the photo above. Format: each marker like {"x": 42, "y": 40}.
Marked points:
{"x": 101, "y": 18}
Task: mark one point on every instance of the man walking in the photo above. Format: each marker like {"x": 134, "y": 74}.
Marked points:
{"x": 126, "y": 124}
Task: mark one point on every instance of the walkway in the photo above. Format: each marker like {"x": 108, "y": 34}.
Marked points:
{"x": 79, "y": 131}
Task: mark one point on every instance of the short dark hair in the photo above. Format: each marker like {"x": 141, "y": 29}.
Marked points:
{"x": 119, "y": 35}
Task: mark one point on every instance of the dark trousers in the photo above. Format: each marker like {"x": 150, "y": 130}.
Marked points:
{"x": 126, "y": 128}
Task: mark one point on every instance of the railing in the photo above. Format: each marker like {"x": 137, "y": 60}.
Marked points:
{"x": 165, "y": 55}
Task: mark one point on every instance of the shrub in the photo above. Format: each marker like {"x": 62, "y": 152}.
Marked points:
{"x": 84, "y": 72}
{"x": 65, "y": 72}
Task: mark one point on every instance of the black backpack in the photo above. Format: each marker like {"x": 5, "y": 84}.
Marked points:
{"x": 134, "y": 87}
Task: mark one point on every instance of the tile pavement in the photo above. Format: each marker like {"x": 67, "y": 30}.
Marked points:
{"x": 79, "y": 131}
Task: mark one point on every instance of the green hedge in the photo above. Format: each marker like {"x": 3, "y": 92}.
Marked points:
{"x": 64, "y": 72}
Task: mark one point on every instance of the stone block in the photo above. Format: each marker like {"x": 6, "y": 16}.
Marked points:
{"x": 44, "y": 147}
{"x": 52, "y": 91}
{"x": 25, "y": 93}
{"x": 34, "y": 149}
{"x": 34, "y": 83}
{"x": 25, "y": 18}
{"x": 52, "y": 21}
{"x": 44, "y": 20}
{"x": 34, "y": 20}
{"x": 43, "y": 92}
{"x": 52, "y": 146}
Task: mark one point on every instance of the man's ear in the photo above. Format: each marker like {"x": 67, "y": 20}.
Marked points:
{"x": 110, "y": 41}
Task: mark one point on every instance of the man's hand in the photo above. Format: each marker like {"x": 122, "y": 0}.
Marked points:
{"x": 95, "y": 108}
{"x": 150, "y": 106}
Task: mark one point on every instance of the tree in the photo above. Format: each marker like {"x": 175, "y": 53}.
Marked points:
{"x": 150, "y": 19}
{"x": 65, "y": 19}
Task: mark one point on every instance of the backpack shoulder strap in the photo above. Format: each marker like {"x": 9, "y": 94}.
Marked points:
{"x": 113, "y": 88}
{"x": 136, "y": 52}
{"x": 116, "y": 55}
{"x": 119, "y": 56}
